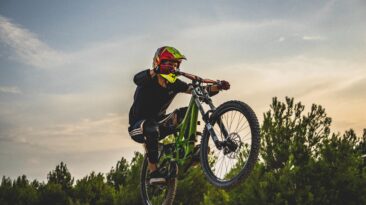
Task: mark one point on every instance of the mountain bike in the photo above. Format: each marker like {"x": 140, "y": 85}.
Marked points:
{"x": 228, "y": 148}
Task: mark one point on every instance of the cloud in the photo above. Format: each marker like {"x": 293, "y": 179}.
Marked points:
{"x": 28, "y": 48}
{"x": 313, "y": 38}
{"x": 86, "y": 135}
{"x": 354, "y": 89}
{"x": 86, "y": 144}
{"x": 336, "y": 84}
{"x": 10, "y": 89}
{"x": 281, "y": 39}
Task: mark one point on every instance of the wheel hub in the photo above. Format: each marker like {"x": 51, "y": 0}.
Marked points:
{"x": 232, "y": 143}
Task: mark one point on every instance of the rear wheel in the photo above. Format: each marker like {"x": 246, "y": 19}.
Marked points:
{"x": 232, "y": 163}
{"x": 159, "y": 194}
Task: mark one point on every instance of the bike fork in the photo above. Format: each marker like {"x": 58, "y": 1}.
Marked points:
{"x": 213, "y": 135}
{"x": 211, "y": 131}
{"x": 219, "y": 144}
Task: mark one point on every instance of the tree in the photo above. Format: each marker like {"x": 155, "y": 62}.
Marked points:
{"x": 302, "y": 163}
{"x": 339, "y": 175}
{"x": 129, "y": 193}
{"x": 20, "y": 191}
{"x": 62, "y": 176}
{"x": 287, "y": 133}
{"x": 52, "y": 193}
{"x": 117, "y": 177}
{"x": 5, "y": 190}
{"x": 93, "y": 190}
{"x": 192, "y": 187}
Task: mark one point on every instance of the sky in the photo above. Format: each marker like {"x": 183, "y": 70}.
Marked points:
{"x": 66, "y": 68}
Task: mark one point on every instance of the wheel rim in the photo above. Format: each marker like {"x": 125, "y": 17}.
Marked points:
{"x": 157, "y": 194}
{"x": 227, "y": 163}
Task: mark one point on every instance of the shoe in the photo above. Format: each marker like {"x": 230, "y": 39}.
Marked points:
{"x": 157, "y": 178}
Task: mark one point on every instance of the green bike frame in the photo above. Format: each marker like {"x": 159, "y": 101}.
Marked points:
{"x": 185, "y": 139}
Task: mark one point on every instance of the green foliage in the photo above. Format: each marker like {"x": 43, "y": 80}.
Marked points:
{"x": 301, "y": 162}
{"x": 20, "y": 191}
{"x": 117, "y": 177}
{"x": 61, "y": 176}
{"x": 215, "y": 196}
{"x": 129, "y": 194}
{"x": 52, "y": 193}
{"x": 287, "y": 132}
{"x": 192, "y": 187}
{"x": 93, "y": 190}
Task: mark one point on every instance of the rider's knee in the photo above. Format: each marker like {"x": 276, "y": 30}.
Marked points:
{"x": 136, "y": 131}
{"x": 144, "y": 131}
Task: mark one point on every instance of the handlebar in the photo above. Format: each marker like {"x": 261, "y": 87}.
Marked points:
{"x": 195, "y": 78}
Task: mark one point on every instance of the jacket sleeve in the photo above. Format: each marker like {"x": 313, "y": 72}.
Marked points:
{"x": 142, "y": 77}
{"x": 181, "y": 86}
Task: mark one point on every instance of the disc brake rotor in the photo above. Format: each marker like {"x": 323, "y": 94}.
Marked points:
{"x": 233, "y": 144}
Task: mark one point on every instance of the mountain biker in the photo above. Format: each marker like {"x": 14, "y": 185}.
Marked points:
{"x": 156, "y": 88}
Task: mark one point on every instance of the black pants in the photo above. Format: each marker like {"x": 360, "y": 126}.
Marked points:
{"x": 150, "y": 131}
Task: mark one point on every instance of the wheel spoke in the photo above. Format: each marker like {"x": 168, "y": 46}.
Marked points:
{"x": 243, "y": 128}
{"x": 223, "y": 156}
{"x": 226, "y": 120}
{"x": 226, "y": 166}
{"x": 239, "y": 121}
{"x": 245, "y": 136}
{"x": 232, "y": 120}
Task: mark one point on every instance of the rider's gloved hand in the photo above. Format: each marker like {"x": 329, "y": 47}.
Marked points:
{"x": 223, "y": 85}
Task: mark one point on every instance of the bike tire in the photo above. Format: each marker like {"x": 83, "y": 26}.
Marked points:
{"x": 252, "y": 120}
{"x": 171, "y": 187}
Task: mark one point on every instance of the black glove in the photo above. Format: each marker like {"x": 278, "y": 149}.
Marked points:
{"x": 223, "y": 85}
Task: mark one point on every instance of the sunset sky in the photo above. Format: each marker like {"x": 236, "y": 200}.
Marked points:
{"x": 66, "y": 68}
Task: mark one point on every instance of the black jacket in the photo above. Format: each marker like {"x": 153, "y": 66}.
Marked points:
{"x": 150, "y": 99}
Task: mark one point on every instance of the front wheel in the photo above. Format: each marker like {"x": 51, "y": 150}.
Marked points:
{"x": 237, "y": 128}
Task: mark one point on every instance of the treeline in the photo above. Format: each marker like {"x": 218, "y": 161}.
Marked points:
{"x": 301, "y": 162}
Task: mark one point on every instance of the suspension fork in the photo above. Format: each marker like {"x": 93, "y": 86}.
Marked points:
{"x": 219, "y": 121}
{"x": 206, "y": 119}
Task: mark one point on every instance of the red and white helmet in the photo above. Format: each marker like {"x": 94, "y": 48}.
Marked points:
{"x": 167, "y": 53}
